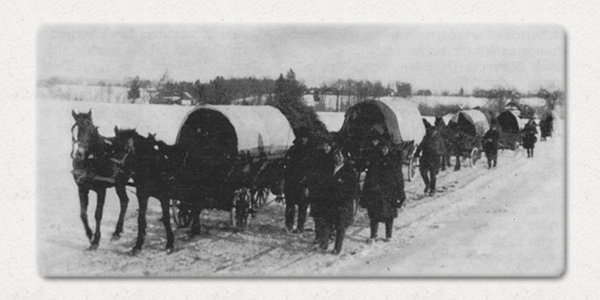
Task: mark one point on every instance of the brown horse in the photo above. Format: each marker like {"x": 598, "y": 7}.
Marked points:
{"x": 96, "y": 168}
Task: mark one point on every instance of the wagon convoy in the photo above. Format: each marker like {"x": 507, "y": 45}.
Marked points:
{"x": 231, "y": 157}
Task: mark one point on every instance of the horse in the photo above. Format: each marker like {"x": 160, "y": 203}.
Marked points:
{"x": 433, "y": 148}
{"x": 96, "y": 168}
{"x": 150, "y": 168}
{"x": 172, "y": 172}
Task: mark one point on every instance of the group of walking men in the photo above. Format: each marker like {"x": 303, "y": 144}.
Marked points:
{"x": 321, "y": 174}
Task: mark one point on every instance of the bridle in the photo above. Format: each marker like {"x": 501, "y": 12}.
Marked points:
{"x": 75, "y": 142}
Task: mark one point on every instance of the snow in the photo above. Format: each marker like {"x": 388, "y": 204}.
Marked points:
{"x": 332, "y": 120}
{"x": 508, "y": 221}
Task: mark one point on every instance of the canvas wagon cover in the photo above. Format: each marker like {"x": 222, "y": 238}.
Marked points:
{"x": 333, "y": 120}
{"x": 241, "y": 129}
{"x": 510, "y": 121}
{"x": 401, "y": 117}
{"x": 475, "y": 117}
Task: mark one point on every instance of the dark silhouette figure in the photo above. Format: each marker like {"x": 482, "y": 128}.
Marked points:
{"x": 491, "y": 144}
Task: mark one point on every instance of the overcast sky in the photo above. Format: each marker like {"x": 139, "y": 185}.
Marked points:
{"x": 437, "y": 56}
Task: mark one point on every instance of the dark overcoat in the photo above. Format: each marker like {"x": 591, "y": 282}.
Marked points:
{"x": 431, "y": 150}
{"x": 297, "y": 167}
{"x": 337, "y": 194}
{"x": 383, "y": 187}
{"x": 529, "y": 136}
{"x": 320, "y": 171}
{"x": 491, "y": 140}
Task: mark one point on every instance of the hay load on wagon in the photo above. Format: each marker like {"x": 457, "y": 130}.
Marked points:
{"x": 399, "y": 121}
{"x": 229, "y": 150}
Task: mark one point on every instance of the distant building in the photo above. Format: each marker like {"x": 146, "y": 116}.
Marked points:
{"x": 161, "y": 97}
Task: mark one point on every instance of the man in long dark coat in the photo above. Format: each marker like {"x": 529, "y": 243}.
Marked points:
{"x": 321, "y": 163}
{"x": 529, "y": 137}
{"x": 339, "y": 190}
{"x": 491, "y": 140}
{"x": 383, "y": 192}
{"x": 432, "y": 148}
{"x": 296, "y": 186}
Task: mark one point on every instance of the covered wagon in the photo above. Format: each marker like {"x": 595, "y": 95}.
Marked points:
{"x": 229, "y": 150}
{"x": 398, "y": 120}
{"x": 511, "y": 125}
{"x": 467, "y": 128}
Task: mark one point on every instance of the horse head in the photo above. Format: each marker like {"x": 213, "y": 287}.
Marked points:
{"x": 83, "y": 135}
{"x": 126, "y": 140}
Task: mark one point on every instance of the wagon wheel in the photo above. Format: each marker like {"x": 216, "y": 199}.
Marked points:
{"x": 475, "y": 156}
{"x": 413, "y": 164}
{"x": 182, "y": 217}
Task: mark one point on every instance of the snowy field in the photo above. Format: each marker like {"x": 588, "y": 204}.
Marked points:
{"x": 508, "y": 221}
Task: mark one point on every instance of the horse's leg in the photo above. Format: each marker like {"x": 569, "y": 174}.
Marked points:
{"x": 100, "y": 196}
{"x": 83, "y": 202}
{"x": 457, "y": 166}
{"x": 124, "y": 200}
{"x": 423, "y": 172}
{"x": 143, "y": 207}
{"x": 166, "y": 218}
{"x": 433, "y": 172}
{"x": 195, "y": 222}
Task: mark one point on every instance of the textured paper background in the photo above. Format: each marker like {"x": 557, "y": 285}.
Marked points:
{"x": 20, "y": 20}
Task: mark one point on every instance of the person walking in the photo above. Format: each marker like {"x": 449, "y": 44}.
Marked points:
{"x": 432, "y": 147}
{"x": 295, "y": 187}
{"x": 491, "y": 141}
{"x": 383, "y": 192}
{"x": 336, "y": 209}
{"x": 529, "y": 137}
{"x": 321, "y": 170}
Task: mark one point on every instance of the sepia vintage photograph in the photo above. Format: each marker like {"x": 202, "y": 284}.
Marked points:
{"x": 300, "y": 150}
